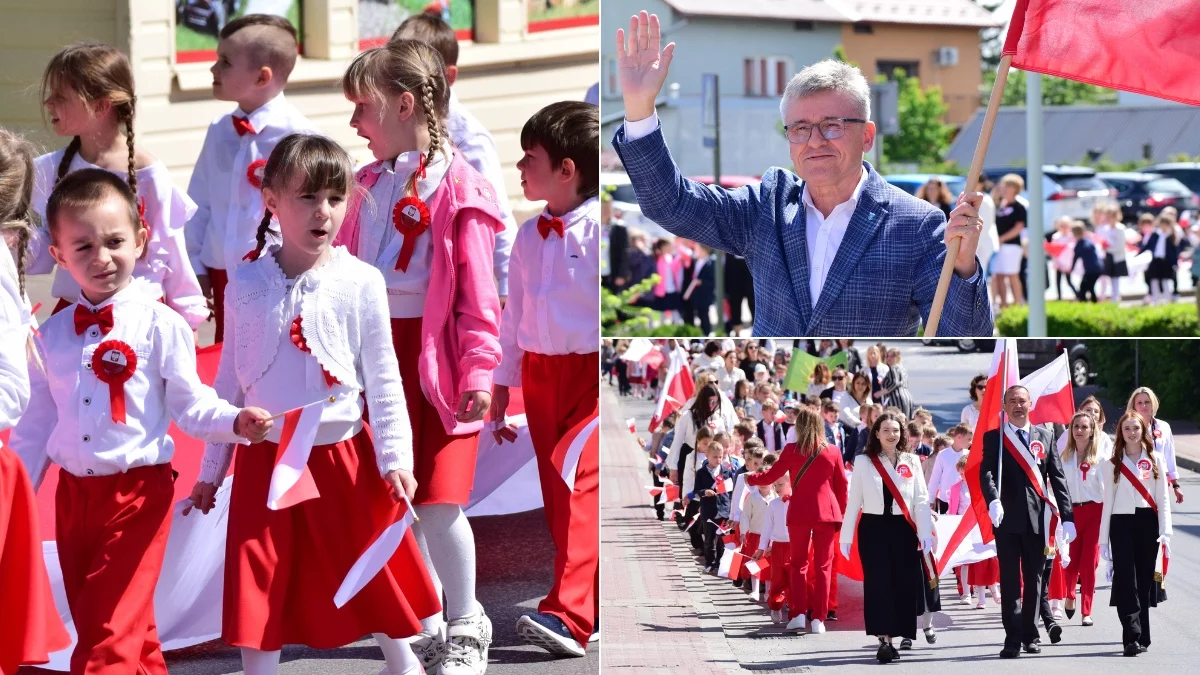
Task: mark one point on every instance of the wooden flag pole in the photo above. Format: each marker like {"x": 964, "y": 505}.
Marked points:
{"x": 985, "y": 137}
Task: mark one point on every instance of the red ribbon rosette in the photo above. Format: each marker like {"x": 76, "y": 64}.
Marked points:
{"x": 254, "y": 173}
{"x": 411, "y": 218}
{"x": 904, "y": 471}
{"x": 114, "y": 363}
{"x": 297, "y": 333}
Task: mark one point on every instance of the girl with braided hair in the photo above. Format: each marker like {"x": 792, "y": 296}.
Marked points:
{"x": 429, "y": 225}
{"x": 88, "y": 94}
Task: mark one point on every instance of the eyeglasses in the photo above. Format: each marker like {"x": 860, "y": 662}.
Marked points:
{"x": 838, "y": 378}
{"x": 829, "y": 128}
{"x": 980, "y": 387}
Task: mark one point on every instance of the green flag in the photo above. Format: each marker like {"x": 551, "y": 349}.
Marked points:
{"x": 802, "y": 365}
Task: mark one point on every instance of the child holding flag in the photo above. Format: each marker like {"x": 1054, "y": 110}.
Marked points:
{"x": 311, "y": 325}
{"x": 714, "y": 486}
{"x": 119, "y": 366}
{"x": 775, "y": 544}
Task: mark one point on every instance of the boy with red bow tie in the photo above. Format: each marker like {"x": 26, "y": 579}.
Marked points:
{"x": 550, "y": 338}
{"x": 255, "y": 56}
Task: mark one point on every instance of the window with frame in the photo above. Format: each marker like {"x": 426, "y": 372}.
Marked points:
{"x": 198, "y": 24}
{"x": 612, "y": 78}
{"x": 378, "y": 19}
{"x": 888, "y": 68}
{"x": 766, "y": 76}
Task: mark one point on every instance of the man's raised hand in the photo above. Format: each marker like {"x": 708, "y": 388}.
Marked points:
{"x": 642, "y": 64}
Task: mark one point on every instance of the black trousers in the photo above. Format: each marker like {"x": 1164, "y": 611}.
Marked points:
{"x": 1022, "y": 558}
{"x": 696, "y": 534}
{"x": 623, "y": 386}
{"x": 713, "y": 547}
{"x": 1044, "y": 602}
{"x": 660, "y": 500}
{"x": 1134, "y": 540}
{"x": 1058, "y": 279}
{"x": 1087, "y": 287}
{"x": 892, "y": 595}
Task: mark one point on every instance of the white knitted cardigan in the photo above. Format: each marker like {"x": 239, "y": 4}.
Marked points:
{"x": 348, "y": 330}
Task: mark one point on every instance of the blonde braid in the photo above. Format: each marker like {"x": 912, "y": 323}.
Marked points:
{"x": 128, "y": 119}
{"x": 68, "y": 155}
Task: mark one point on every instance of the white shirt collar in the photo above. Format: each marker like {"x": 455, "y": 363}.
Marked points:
{"x": 261, "y": 115}
{"x": 131, "y": 291}
{"x": 854, "y": 196}
{"x": 1027, "y": 428}
{"x": 575, "y": 215}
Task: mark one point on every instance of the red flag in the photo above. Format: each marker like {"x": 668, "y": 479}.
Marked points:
{"x": 1002, "y": 373}
{"x": 653, "y": 358}
{"x": 723, "y": 486}
{"x": 291, "y": 481}
{"x": 851, "y": 567}
{"x": 1144, "y": 46}
{"x": 678, "y": 389}
{"x": 670, "y": 491}
{"x": 759, "y": 568}
{"x": 1050, "y": 395}
{"x": 381, "y": 549}
{"x": 735, "y": 566}
{"x": 632, "y": 424}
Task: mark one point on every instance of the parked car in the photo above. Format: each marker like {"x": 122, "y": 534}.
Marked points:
{"x": 965, "y": 346}
{"x": 1187, "y": 173}
{"x": 911, "y": 182}
{"x": 1067, "y": 190}
{"x": 1033, "y": 354}
{"x": 1139, "y": 193}
{"x": 625, "y": 204}
{"x": 205, "y": 16}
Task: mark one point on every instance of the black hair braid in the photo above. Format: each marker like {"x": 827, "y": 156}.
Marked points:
{"x": 68, "y": 156}
{"x": 261, "y": 235}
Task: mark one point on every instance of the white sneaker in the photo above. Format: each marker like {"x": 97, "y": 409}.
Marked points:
{"x": 429, "y": 648}
{"x": 467, "y": 642}
{"x": 817, "y": 626}
{"x": 796, "y": 624}
{"x": 964, "y": 599}
{"x": 777, "y": 616}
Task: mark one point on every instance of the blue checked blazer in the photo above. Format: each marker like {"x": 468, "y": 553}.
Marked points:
{"x": 882, "y": 280}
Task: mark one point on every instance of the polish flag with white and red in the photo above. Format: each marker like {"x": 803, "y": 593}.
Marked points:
{"x": 676, "y": 390}
{"x": 291, "y": 481}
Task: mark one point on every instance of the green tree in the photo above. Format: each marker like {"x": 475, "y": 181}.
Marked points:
{"x": 924, "y": 136}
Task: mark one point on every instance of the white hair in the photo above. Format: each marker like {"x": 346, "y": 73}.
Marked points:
{"x": 829, "y": 75}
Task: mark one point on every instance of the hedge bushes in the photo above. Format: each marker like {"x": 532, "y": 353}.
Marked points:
{"x": 1104, "y": 319}
{"x": 1166, "y": 366}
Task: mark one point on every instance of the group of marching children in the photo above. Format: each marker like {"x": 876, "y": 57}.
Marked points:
{"x": 376, "y": 296}
{"x": 781, "y": 510}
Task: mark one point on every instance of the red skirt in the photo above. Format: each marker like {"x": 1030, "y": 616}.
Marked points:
{"x": 443, "y": 465}
{"x": 282, "y": 568}
{"x": 984, "y": 572}
{"x": 29, "y": 623}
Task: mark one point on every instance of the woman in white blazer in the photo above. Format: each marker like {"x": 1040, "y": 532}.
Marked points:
{"x": 887, "y": 543}
{"x": 1135, "y": 531}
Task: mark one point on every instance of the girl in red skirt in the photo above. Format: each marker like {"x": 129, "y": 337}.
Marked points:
{"x": 984, "y": 574}
{"x": 429, "y": 225}
{"x": 29, "y": 622}
{"x": 309, "y": 321}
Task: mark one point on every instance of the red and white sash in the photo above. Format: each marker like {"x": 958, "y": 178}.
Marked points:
{"x": 1026, "y": 460}
{"x": 1161, "y": 560}
{"x": 888, "y": 474}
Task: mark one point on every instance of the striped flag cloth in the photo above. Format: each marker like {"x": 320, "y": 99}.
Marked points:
{"x": 291, "y": 481}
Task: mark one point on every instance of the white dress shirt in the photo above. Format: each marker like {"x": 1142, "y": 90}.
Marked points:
{"x": 552, "y": 300}
{"x": 774, "y": 524}
{"x": 1086, "y": 486}
{"x": 754, "y": 512}
{"x": 945, "y": 473}
{"x": 970, "y": 416}
{"x": 1122, "y": 498}
{"x": 847, "y": 407}
{"x": 769, "y": 436}
{"x": 14, "y": 335}
{"x": 478, "y": 148}
{"x": 380, "y": 242}
{"x": 866, "y": 494}
{"x": 69, "y": 420}
{"x": 727, "y": 380}
{"x": 165, "y": 266}
{"x": 1164, "y": 442}
{"x": 229, "y": 207}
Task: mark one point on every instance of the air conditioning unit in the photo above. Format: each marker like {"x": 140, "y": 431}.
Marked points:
{"x": 946, "y": 56}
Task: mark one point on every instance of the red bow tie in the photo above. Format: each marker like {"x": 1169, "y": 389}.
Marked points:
{"x": 548, "y": 225}
{"x": 786, "y": 498}
{"x": 85, "y": 317}
{"x": 242, "y": 125}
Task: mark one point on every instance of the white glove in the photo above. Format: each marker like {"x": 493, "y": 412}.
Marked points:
{"x": 1108, "y": 574}
{"x": 846, "y": 551}
{"x": 1106, "y": 552}
{"x": 927, "y": 544}
{"x": 1165, "y": 540}
{"x": 1069, "y": 529}
{"x": 995, "y": 512}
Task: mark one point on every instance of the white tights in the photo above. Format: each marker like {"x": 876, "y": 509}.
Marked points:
{"x": 448, "y": 547}
{"x": 399, "y": 657}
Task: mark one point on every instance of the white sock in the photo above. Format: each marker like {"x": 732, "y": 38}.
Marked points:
{"x": 1116, "y": 289}
{"x": 258, "y": 662}
{"x": 399, "y": 656}
{"x": 432, "y": 624}
{"x": 980, "y": 594}
{"x": 928, "y": 620}
{"x": 450, "y": 546}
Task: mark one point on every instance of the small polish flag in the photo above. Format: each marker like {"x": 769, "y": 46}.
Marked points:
{"x": 692, "y": 522}
{"x": 378, "y": 553}
{"x": 677, "y": 513}
{"x": 291, "y": 481}
{"x": 780, "y": 418}
{"x": 654, "y": 490}
{"x": 670, "y": 491}
{"x": 729, "y": 538}
{"x": 584, "y": 436}
{"x": 724, "y": 486}
{"x": 632, "y": 424}
{"x": 735, "y": 566}
{"x": 663, "y": 453}
{"x": 721, "y": 531}
{"x": 758, "y": 568}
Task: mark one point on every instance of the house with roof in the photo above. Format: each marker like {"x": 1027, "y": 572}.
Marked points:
{"x": 756, "y": 46}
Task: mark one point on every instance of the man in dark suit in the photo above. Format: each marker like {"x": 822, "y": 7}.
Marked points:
{"x": 773, "y": 434}
{"x": 1018, "y": 515}
{"x": 809, "y": 235}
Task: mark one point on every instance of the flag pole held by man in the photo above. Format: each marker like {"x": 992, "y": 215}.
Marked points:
{"x": 821, "y": 239}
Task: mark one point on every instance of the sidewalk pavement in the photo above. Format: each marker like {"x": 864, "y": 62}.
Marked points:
{"x": 1187, "y": 445}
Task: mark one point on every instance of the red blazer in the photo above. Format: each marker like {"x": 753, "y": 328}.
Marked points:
{"x": 820, "y": 496}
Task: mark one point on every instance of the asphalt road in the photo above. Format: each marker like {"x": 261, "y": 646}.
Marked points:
{"x": 939, "y": 377}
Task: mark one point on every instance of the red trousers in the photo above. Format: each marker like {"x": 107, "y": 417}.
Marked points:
{"x": 781, "y": 563}
{"x": 810, "y": 582}
{"x": 560, "y": 392}
{"x": 112, "y": 533}
{"x": 1085, "y": 553}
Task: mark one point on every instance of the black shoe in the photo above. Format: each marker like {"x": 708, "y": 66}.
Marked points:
{"x": 1055, "y": 631}
{"x": 895, "y": 654}
{"x": 1010, "y": 653}
{"x": 930, "y": 636}
{"x": 884, "y": 653}
{"x": 905, "y": 643}
{"x": 1133, "y": 649}
{"x": 1070, "y": 613}
{"x": 1032, "y": 647}
{"x": 832, "y": 615}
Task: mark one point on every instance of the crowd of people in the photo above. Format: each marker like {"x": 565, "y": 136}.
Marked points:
{"x": 860, "y": 466}
{"x": 335, "y": 293}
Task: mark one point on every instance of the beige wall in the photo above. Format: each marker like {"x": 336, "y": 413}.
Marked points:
{"x": 895, "y": 42}
{"x": 505, "y": 77}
